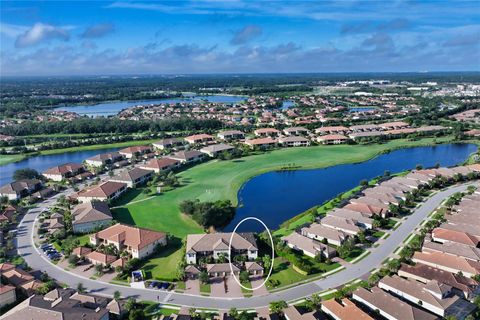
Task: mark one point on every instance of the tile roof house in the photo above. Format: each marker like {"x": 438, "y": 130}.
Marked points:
{"x": 63, "y": 171}
{"x": 294, "y": 141}
{"x": 465, "y": 286}
{"x": 371, "y": 201}
{"x": 453, "y": 248}
{"x": 64, "y": 307}
{"x": 447, "y": 262}
{"x": 342, "y": 224}
{"x": 332, "y": 139}
{"x": 19, "y": 278}
{"x": 21, "y": 188}
{"x": 103, "y": 259}
{"x": 89, "y": 216}
{"x": 333, "y": 130}
{"x": 215, "y": 244}
{"x": 139, "y": 242}
{"x": 308, "y": 246}
{"x": 159, "y": 165}
{"x": 135, "y": 151}
{"x": 318, "y": 232}
{"x": 292, "y": 313}
{"x": 105, "y": 191}
{"x": 8, "y": 213}
{"x": 253, "y": 268}
{"x": 222, "y": 269}
{"x": 433, "y": 296}
{"x": 168, "y": 143}
{"x": 214, "y": 149}
{"x": 7, "y": 295}
{"x": 261, "y": 142}
{"x": 344, "y": 310}
{"x": 199, "y": 138}
{"x": 104, "y": 159}
{"x": 361, "y": 219}
{"x": 265, "y": 132}
{"x": 133, "y": 177}
{"x": 367, "y": 209}
{"x": 81, "y": 251}
{"x": 231, "y": 135}
{"x": 188, "y": 156}
{"x": 295, "y": 131}
{"x": 389, "y": 306}
{"x": 443, "y": 235}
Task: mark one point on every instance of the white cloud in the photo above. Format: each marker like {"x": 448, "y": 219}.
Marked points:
{"x": 40, "y": 32}
{"x": 12, "y": 30}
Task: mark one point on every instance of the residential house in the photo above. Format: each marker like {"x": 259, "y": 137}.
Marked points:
{"x": 344, "y": 310}
{"x": 8, "y": 213}
{"x": 333, "y": 130}
{"x": 433, "y": 296}
{"x": 294, "y": 141}
{"x": 188, "y": 156}
{"x": 261, "y": 142}
{"x": 345, "y": 225}
{"x": 104, "y": 159}
{"x": 7, "y": 295}
{"x": 199, "y": 138}
{"x": 222, "y": 269}
{"x": 318, "y": 232}
{"x": 231, "y": 135}
{"x": 89, "y": 216}
{"x": 101, "y": 258}
{"x": 367, "y": 209}
{"x": 215, "y": 149}
{"x": 296, "y": 131}
{"x": 393, "y": 125}
{"x": 63, "y": 171}
{"x": 292, "y": 313}
{"x": 464, "y": 286}
{"x": 370, "y": 201}
{"x": 133, "y": 177}
{"x": 19, "y": 278}
{"x": 447, "y": 262}
{"x": 20, "y": 189}
{"x": 389, "y": 306}
{"x": 215, "y": 244}
{"x": 139, "y": 242}
{"x": 308, "y": 246}
{"x": 266, "y": 132}
{"x": 332, "y": 139}
{"x": 443, "y": 235}
{"x": 105, "y": 191}
{"x": 453, "y": 248}
{"x": 135, "y": 151}
{"x": 81, "y": 251}
{"x": 168, "y": 143}
{"x": 362, "y": 220}
{"x": 253, "y": 268}
{"x": 364, "y": 128}
{"x": 64, "y": 307}
{"x": 159, "y": 165}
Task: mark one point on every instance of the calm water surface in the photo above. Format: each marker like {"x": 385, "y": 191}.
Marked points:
{"x": 278, "y": 196}
{"x": 112, "y": 108}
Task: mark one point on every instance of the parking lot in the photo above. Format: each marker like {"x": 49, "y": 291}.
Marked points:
{"x": 50, "y": 252}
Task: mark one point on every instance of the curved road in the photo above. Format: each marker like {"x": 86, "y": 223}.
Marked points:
{"x": 35, "y": 260}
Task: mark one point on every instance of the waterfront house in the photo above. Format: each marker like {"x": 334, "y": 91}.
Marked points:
{"x": 63, "y": 171}
{"x": 231, "y": 135}
{"x": 20, "y": 189}
{"x": 343, "y": 310}
{"x": 215, "y": 149}
{"x": 105, "y": 191}
{"x": 89, "y": 216}
{"x": 266, "y": 132}
{"x": 135, "y": 151}
{"x": 104, "y": 159}
{"x": 464, "y": 286}
{"x": 345, "y": 225}
{"x": 296, "y": 131}
{"x": 168, "y": 143}
{"x": 199, "y": 138}
{"x": 261, "y": 142}
{"x": 370, "y": 201}
{"x": 159, "y": 165}
{"x": 308, "y": 246}
{"x": 294, "y": 141}
{"x": 138, "y": 242}
{"x": 447, "y": 262}
{"x": 188, "y": 156}
{"x": 370, "y": 210}
{"x": 332, "y": 139}
{"x": 133, "y": 177}
{"x": 433, "y": 296}
{"x": 215, "y": 244}
{"x": 318, "y": 232}
{"x": 333, "y": 130}
{"x": 389, "y": 306}
{"x": 360, "y": 219}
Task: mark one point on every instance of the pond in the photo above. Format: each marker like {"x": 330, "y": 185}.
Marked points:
{"x": 42, "y": 163}
{"x": 112, "y": 108}
{"x": 275, "y": 197}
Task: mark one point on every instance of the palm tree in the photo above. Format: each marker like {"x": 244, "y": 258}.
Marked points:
{"x": 80, "y": 287}
{"x": 116, "y": 295}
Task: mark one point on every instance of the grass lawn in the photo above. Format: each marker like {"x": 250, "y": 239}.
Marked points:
{"x": 354, "y": 253}
{"x": 163, "y": 266}
{"x": 246, "y": 293}
{"x": 205, "y": 288}
{"x": 134, "y": 194}
{"x": 378, "y": 234}
{"x": 9, "y": 158}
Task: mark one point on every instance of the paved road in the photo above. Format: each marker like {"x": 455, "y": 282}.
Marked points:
{"x": 37, "y": 261}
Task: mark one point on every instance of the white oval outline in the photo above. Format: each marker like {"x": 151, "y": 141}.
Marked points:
{"x": 230, "y": 253}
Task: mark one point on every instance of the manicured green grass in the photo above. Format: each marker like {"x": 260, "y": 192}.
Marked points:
{"x": 378, "y": 234}
{"x": 246, "y": 293}
{"x": 9, "y": 158}
{"x": 354, "y": 253}
{"x": 205, "y": 288}
{"x": 131, "y": 195}
{"x": 163, "y": 265}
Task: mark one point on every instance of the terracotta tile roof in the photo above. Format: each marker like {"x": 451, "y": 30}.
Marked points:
{"x": 103, "y": 190}
{"x": 202, "y": 136}
{"x": 17, "y": 276}
{"x": 221, "y": 267}
{"x": 64, "y": 169}
{"x": 131, "y": 175}
{"x": 438, "y": 260}
{"x": 161, "y": 163}
{"x": 186, "y": 155}
{"x": 96, "y": 256}
{"x": 365, "y": 208}
{"x": 324, "y": 232}
{"x": 208, "y": 242}
{"x": 132, "y": 236}
{"x": 266, "y": 130}
{"x": 455, "y": 236}
{"x": 456, "y": 249}
{"x": 6, "y": 288}
{"x": 135, "y": 149}
{"x": 81, "y": 251}
{"x": 346, "y": 310}
{"x": 332, "y": 137}
{"x": 260, "y": 141}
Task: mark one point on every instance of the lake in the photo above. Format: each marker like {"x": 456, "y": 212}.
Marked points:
{"x": 42, "y": 163}
{"x": 275, "y": 197}
{"x": 112, "y": 108}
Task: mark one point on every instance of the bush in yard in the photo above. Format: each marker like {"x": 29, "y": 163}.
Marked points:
{"x": 203, "y": 277}
{"x": 73, "y": 259}
{"x": 244, "y": 277}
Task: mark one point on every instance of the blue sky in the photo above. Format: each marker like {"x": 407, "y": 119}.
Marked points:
{"x": 146, "y": 37}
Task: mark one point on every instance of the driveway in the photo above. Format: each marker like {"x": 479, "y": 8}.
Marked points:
{"x": 192, "y": 286}
{"x": 217, "y": 287}
{"x": 32, "y": 256}
{"x": 257, "y": 281}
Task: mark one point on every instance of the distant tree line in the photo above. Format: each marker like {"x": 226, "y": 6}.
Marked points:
{"x": 207, "y": 214}
{"x": 109, "y": 125}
